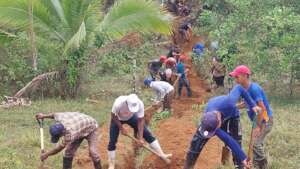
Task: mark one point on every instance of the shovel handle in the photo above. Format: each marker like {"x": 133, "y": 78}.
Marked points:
{"x": 168, "y": 161}
{"x": 41, "y": 124}
{"x": 250, "y": 148}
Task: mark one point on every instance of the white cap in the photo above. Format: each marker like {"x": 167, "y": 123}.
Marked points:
{"x": 133, "y": 103}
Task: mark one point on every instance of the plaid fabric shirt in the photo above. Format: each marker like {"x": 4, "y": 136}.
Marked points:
{"x": 77, "y": 125}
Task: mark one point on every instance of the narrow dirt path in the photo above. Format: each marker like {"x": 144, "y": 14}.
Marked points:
{"x": 174, "y": 133}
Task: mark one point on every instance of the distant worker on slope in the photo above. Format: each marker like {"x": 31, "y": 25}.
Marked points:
{"x": 164, "y": 92}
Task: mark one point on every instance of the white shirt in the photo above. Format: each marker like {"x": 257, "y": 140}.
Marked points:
{"x": 120, "y": 109}
{"x": 161, "y": 88}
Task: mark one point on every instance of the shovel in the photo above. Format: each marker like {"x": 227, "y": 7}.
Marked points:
{"x": 251, "y": 143}
{"x": 168, "y": 161}
{"x": 41, "y": 125}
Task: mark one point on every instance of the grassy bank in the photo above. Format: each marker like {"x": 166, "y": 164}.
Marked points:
{"x": 282, "y": 144}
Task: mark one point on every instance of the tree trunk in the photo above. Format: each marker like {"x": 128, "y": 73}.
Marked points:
{"x": 135, "y": 78}
{"x": 32, "y": 35}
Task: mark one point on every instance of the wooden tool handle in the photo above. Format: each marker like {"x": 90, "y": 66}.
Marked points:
{"x": 42, "y": 139}
{"x": 168, "y": 161}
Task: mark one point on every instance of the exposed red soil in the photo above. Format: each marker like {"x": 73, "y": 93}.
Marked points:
{"x": 174, "y": 134}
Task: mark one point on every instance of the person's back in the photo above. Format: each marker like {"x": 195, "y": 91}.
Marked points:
{"x": 76, "y": 124}
{"x": 165, "y": 86}
{"x": 155, "y": 64}
{"x": 223, "y": 104}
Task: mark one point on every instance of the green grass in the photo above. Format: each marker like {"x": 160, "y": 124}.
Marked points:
{"x": 283, "y": 143}
{"x": 19, "y": 132}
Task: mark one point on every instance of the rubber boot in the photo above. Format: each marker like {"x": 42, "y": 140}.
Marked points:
{"x": 111, "y": 159}
{"x": 156, "y": 147}
{"x": 67, "y": 162}
{"x": 97, "y": 164}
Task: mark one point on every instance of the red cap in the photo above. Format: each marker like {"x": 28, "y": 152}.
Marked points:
{"x": 242, "y": 69}
{"x": 162, "y": 58}
{"x": 182, "y": 57}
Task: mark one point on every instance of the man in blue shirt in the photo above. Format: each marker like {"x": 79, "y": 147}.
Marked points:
{"x": 265, "y": 118}
{"x": 183, "y": 81}
{"x": 218, "y": 112}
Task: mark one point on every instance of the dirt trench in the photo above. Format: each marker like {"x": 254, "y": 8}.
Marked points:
{"x": 174, "y": 133}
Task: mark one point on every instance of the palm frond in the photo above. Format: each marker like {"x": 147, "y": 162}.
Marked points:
{"x": 76, "y": 40}
{"x": 135, "y": 15}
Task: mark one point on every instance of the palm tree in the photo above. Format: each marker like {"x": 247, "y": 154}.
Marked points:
{"x": 73, "y": 23}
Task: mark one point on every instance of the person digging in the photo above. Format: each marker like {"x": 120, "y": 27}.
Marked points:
{"x": 73, "y": 127}
{"x": 221, "y": 118}
{"x": 129, "y": 110}
{"x": 265, "y": 118}
{"x": 155, "y": 65}
{"x": 164, "y": 92}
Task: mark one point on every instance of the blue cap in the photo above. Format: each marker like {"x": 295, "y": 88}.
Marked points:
{"x": 209, "y": 124}
{"x": 56, "y": 130}
{"x": 147, "y": 81}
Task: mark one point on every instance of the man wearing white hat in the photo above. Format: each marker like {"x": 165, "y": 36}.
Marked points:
{"x": 129, "y": 110}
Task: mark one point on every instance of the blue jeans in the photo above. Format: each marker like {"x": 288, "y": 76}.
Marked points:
{"x": 132, "y": 122}
{"x": 230, "y": 126}
{"x": 184, "y": 82}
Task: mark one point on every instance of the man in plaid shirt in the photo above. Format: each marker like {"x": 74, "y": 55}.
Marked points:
{"x": 74, "y": 127}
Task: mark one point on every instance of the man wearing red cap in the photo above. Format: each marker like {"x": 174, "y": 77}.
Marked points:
{"x": 265, "y": 117}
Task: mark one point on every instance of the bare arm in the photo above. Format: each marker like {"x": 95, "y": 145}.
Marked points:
{"x": 43, "y": 116}
{"x": 54, "y": 151}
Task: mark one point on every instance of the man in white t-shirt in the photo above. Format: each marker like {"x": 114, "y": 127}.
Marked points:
{"x": 129, "y": 110}
{"x": 164, "y": 92}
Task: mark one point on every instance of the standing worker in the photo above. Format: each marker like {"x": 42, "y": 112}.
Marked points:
{"x": 218, "y": 71}
{"x": 265, "y": 118}
{"x": 74, "y": 127}
{"x": 163, "y": 90}
{"x": 183, "y": 81}
{"x": 129, "y": 110}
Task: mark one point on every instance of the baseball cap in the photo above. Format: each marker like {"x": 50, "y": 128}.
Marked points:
{"x": 209, "y": 124}
{"x": 162, "y": 58}
{"x": 147, "y": 81}
{"x": 56, "y": 130}
{"x": 133, "y": 103}
{"x": 242, "y": 69}
{"x": 182, "y": 57}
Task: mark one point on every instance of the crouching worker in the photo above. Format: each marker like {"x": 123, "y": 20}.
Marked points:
{"x": 164, "y": 92}
{"x": 219, "y": 111}
{"x": 129, "y": 110}
{"x": 74, "y": 127}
